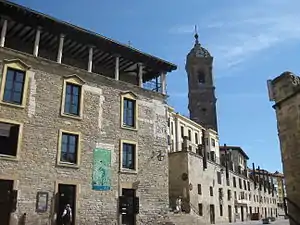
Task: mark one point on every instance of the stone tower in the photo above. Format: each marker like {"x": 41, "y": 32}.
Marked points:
{"x": 202, "y": 100}
{"x": 284, "y": 90}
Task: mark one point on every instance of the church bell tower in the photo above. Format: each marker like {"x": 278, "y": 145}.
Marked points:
{"x": 202, "y": 100}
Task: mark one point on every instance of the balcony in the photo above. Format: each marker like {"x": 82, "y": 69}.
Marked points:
{"x": 241, "y": 202}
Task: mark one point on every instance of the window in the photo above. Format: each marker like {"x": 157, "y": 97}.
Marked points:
{"x": 172, "y": 131}
{"x": 69, "y": 148}
{"x": 182, "y": 131}
{"x": 189, "y": 135}
{"x": 14, "y": 86}
{"x": 200, "y": 207}
{"x": 10, "y": 137}
{"x": 72, "y": 99}
{"x": 196, "y": 138}
{"x": 248, "y": 186}
{"x": 243, "y": 195}
{"x": 235, "y": 197}
{"x": 234, "y": 182}
{"x": 240, "y": 183}
{"x": 228, "y": 195}
{"x": 206, "y": 141}
{"x": 211, "y": 191}
{"x": 129, "y": 111}
{"x": 220, "y": 193}
{"x": 14, "y": 83}
{"x": 199, "y": 189}
{"x": 219, "y": 178}
{"x": 72, "y": 102}
{"x": 213, "y": 142}
{"x": 221, "y": 210}
{"x": 245, "y": 185}
{"x": 201, "y": 77}
{"x": 129, "y": 155}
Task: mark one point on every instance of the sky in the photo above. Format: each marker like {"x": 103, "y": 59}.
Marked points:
{"x": 251, "y": 42}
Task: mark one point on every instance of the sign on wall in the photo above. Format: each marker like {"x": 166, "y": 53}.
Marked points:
{"x": 101, "y": 170}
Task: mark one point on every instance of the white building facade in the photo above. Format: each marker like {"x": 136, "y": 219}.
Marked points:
{"x": 211, "y": 191}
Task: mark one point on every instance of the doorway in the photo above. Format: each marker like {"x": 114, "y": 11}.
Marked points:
{"x": 266, "y": 214}
{"x": 242, "y": 213}
{"x": 212, "y": 214}
{"x": 6, "y": 187}
{"x": 129, "y": 218}
{"x": 230, "y": 214}
{"x": 66, "y": 194}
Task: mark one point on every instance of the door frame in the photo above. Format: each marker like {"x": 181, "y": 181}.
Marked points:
{"x": 66, "y": 182}
{"x": 15, "y": 181}
{"x": 127, "y": 185}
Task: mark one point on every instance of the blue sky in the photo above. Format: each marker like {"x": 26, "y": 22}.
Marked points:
{"x": 251, "y": 41}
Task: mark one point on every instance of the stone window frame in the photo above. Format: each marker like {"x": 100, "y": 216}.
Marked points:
{"x": 15, "y": 64}
{"x": 125, "y": 170}
{"x": 75, "y": 80}
{"x": 58, "y": 158}
{"x": 131, "y": 96}
{"x": 20, "y": 140}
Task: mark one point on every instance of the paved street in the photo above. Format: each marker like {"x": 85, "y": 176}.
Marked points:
{"x": 277, "y": 222}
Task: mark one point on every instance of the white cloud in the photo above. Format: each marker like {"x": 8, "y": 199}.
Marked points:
{"x": 242, "y": 31}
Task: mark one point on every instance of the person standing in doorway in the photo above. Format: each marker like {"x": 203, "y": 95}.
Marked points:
{"x": 67, "y": 215}
{"x": 179, "y": 204}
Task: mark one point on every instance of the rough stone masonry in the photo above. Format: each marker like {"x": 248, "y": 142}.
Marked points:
{"x": 36, "y": 169}
{"x": 285, "y": 91}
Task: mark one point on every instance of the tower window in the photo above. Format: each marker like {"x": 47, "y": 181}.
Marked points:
{"x": 201, "y": 77}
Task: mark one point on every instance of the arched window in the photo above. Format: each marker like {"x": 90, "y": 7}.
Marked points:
{"x": 201, "y": 77}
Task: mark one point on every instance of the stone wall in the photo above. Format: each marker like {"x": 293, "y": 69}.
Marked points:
{"x": 287, "y": 96}
{"x": 36, "y": 170}
{"x": 182, "y": 161}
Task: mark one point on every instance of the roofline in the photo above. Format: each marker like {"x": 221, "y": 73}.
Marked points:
{"x": 80, "y": 29}
{"x": 178, "y": 115}
{"x": 236, "y": 148}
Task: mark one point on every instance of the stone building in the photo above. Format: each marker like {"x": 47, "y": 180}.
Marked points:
{"x": 279, "y": 183}
{"x": 284, "y": 91}
{"x": 212, "y": 191}
{"x": 78, "y": 126}
{"x": 214, "y": 181}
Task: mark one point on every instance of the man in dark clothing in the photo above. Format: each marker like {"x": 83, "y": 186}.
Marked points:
{"x": 67, "y": 215}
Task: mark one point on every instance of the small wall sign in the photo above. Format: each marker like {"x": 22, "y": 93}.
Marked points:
{"x": 41, "y": 202}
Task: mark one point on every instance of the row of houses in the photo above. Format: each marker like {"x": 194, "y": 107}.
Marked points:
{"x": 215, "y": 181}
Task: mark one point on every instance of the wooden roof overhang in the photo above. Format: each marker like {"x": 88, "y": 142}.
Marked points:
{"x": 23, "y": 23}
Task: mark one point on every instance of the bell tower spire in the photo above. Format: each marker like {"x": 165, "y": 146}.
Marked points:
{"x": 196, "y": 36}
{"x": 202, "y": 100}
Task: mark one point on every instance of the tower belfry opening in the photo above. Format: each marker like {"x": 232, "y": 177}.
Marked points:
{"x": 202, "y": 100}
